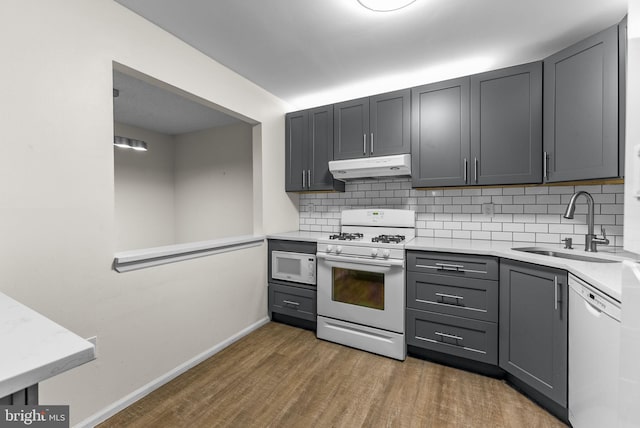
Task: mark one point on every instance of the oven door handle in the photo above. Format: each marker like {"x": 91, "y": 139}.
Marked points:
{"x": 358, "y": 261}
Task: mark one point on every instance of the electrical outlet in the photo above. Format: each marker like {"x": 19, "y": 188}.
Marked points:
{"x": 488, "y": 209}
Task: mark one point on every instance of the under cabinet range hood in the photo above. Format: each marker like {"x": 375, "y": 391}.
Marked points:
{"x": 381, "y": 166}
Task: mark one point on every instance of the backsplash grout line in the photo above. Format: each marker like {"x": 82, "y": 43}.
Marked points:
{"x": 527, "y": 214}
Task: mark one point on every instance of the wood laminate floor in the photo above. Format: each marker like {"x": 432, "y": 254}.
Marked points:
{"x": 282, "y": 376}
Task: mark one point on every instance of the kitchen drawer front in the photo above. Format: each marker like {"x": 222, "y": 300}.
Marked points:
{"x": 457, "y": 265}
{"x": 464, "y": 297}
{"x": 292, "y": 301}
{"x": 472, "y": 339}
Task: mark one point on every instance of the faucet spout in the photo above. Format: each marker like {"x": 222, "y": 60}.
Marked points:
{"x": 591, "y": 241}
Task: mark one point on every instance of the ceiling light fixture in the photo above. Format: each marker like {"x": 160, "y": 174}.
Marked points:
{"x": 129, "y": 143}
{"x": 385, "y": 5}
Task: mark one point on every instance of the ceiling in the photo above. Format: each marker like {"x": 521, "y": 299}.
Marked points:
{"x": 149, "y": 106}
{"x": 309, "y": 53}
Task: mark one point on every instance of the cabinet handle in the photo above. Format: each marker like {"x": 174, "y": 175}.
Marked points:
{"x": 450, "y": 336}
{"x": 309, "y": 179}
{"x": 466, "y": 167}
{"x": 449, "y": 296}
{"x": 364, "y": 144}
{"x": 303, "y": 180}
{"x": 447, "y": 266}
{"x": 475, "y": 169}
{"x": 372, "y": 143}
{"x": 289, "y": 302}
{"x": 545, "y": 164}
{"x": 555, "y": 287}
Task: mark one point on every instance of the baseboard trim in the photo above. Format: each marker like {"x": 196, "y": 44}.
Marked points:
{"x": 136, "y": 395}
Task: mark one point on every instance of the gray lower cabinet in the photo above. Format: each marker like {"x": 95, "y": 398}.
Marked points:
{"x": 292, "y": 301}
{"x": 581, "y": 110}
{"x": 483, "y": 129}
{"x": 309, "y": 148}
{"x": 533, "y": 327}
{"x": 372, "y": 126}
{"x": 27, "y": 396}
{"x": 452, "y": 304}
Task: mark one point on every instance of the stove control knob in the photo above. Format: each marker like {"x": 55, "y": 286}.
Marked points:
{"x": 329, "y": 248}
{"x": 338, "y": 249}
{"x": 374, "y": 252}
{"x": 386, "y": 253}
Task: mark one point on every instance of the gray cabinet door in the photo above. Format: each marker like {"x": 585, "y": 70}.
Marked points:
{"x": 351, "y": 129}
{"x": 320, "y": 148}
{"x": 506, "y": 125}
{"x": 622, "y": 92}
{"x": 533, "y": 326}
{"x": 440, "y": 134}
{"x": 390, "y": 123}
{"x": 296, "y": 134}
{"x": 581, "y": 109}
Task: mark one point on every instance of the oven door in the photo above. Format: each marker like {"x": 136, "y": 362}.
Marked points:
{"x": 362, "y": 291}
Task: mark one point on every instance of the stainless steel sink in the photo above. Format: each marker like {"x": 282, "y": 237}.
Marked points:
{"x": 563, "y": 255}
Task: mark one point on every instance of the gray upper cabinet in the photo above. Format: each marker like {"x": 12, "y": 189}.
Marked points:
{"x": 390, "y": 116}
{"x": 309, "y": 148}
{"x": 296, "y": 137}
{"x": 533, "y": 327}
{"x": 440, "y": 146}
{"x": 506, "y": 125}
{"x": 372, "y": 126}
{"x": 581, "y": 110}
{"x": 484, "y": 129}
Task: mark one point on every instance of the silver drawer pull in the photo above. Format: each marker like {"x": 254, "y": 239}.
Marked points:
{"x": 449, "y": 296}
{"x": 289, "y": 302}
{"x": 448, "y": 266}
{"x": 450, "y": 336}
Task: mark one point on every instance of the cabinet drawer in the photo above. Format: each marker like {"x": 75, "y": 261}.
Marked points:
{"x": 292, "y": 301}
{"x": 464, "y": 297}
{"x": 472, "y": 339}
{"x": 457, "y": 265}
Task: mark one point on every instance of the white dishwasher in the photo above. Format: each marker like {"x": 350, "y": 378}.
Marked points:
{"x": 594, "y": 356}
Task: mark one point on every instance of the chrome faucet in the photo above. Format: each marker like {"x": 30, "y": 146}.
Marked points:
{"x": 591, "y": 241}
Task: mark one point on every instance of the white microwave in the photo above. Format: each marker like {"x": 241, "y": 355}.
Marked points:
{"x": 293, "y": 267}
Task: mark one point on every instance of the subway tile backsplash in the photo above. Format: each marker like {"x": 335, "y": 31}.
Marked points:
{"x": 526, "y": 214}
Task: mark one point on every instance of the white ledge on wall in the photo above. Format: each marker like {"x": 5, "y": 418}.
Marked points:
{"x": 139, "y": 259}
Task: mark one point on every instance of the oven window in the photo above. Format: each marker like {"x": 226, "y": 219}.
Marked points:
{"x": 290, "y": 266}
{"x": 359, "y": 288}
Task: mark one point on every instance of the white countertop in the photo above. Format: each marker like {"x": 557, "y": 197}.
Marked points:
{"x": 34, "y": 348}
{"x": 605, "y": 276}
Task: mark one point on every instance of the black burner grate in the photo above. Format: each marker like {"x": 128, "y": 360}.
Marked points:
{"x": 388, "y": 239}
{"x": 346, "y": 236}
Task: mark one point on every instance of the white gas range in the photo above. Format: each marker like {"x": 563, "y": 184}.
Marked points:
{"x": 361, "y": 281}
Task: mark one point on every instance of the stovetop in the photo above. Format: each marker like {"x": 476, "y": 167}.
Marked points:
{"x": 358, "y": 237}
{"x": 371, "y": 233}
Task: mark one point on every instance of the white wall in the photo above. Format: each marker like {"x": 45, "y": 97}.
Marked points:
{"x": 57, "y": 231}
{"x": 144, "y": 190}
{"x": 213, "y": 183}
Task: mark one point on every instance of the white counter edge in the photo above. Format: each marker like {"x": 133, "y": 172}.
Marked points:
{"x": 138, "y": 259}
{"x": 54, "y": 348}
